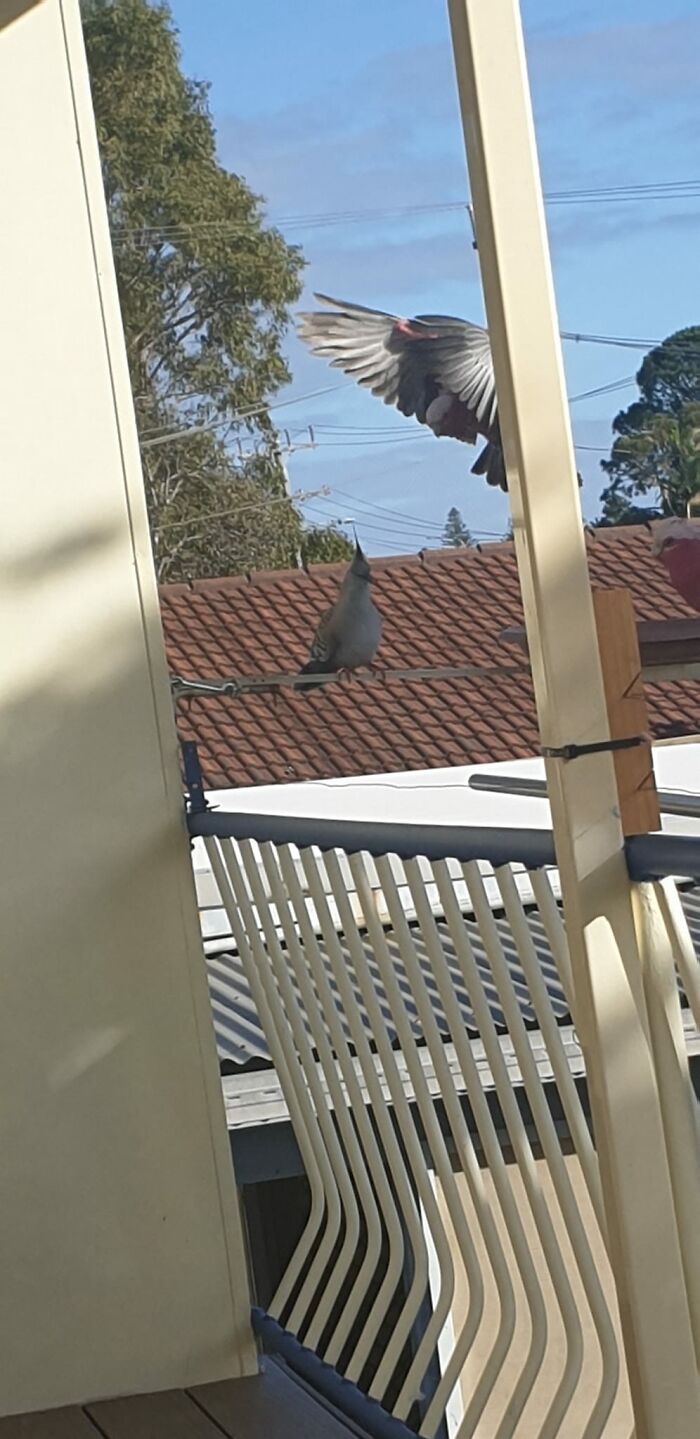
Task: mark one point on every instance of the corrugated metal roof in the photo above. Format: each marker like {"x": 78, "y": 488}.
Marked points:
{"x": 240, "y": 1039}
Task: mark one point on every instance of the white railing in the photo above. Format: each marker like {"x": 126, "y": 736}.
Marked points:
{"x": 453, "y": 1260}
{"x": 215, "y": 921}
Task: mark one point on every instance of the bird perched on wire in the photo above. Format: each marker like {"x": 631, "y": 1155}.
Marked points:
{"x": 349, "y": 632}
{"x": 434, "y": 367}
{"x": 676, "y": 543}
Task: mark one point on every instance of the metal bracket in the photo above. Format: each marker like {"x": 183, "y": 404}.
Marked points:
{"x": 188, "y": 689}
{"x": 194, "y": 782}
{"x": 573, "y": 751}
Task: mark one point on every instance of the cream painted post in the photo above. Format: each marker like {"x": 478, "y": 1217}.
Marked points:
{"x": 657, "y": 914}
{"x": 513, "y": 252}
{"x": 122, "y": 1260}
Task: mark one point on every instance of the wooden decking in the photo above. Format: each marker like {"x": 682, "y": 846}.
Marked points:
{"x": 273, "y": 1405}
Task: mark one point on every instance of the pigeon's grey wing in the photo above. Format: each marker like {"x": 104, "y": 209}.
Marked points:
{"x": 459, "y": 357}
{"x": 406, "y": 363}
{"x": 382, "y": 352}
{"x": 324, "y": 640}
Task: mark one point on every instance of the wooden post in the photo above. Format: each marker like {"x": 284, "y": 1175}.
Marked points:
{"x": 572, "y": 710}
{"x": 628, "y": 716}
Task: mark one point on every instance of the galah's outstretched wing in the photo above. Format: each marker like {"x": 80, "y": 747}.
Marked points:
{"x": 407, "y": 363}
{"x": 413, "y": 363}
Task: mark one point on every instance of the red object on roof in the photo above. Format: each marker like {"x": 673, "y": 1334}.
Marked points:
{"x": 681, "y": 559}
{"x": 447, "y": 609}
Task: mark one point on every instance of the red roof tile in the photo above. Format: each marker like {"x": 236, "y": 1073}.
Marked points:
{"x": 448, "y": 609}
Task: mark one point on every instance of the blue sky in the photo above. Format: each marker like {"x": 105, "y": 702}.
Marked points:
{"x": 328, "y": 106}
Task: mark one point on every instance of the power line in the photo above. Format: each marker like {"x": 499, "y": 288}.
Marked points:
{"x": 351, "y": 429}
{"x": 623, "y": 341}
{"x": 401, "y": 430}
{"x": 385, "y": 434}
{"x": 604, "y": 389}
{"x": 606, "y": 449}
{"x": 299, "y": 498}
{"x": 407, "y": 439}
{"x": 611, "y": 194}
{"x": 414, "y": 520}
{"x": 241, "y": 415}
{"x": 417, "y": 520}
{"x": 407, "y": 530}
{"x": 395, "y": 531}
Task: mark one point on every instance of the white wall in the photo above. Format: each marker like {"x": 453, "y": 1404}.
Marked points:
{"x": 121, "y": 1251}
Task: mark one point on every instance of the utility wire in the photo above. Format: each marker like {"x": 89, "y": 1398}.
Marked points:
{"x": 150, "y": 439}
{"x": 241, "y": 415}
{"x": 366, "y": 512}
{"x": 640, "y": 194}
{"x": 297, "y": 499}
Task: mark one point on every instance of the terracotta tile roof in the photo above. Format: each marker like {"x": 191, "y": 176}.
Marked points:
{"x": 447, "y": 610}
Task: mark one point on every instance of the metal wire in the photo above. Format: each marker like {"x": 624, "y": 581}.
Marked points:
{"x": 267, "y": 684}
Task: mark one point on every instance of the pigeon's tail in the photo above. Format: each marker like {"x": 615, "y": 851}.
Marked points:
{"x": 318, "y": 667}
{"x": 491, "y": 463}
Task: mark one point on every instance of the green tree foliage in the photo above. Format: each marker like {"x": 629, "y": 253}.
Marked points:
{"x": 656, "y": 451}
{"x": 322, "y": 546}
{"x": 455, "y": 532}
{"x": 205, "y": 288}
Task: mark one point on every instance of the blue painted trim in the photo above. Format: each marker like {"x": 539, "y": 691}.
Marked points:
{"x": 340, "y": 1392}
{"x": 531, "y": 847}
{"x": 653, "y": 856}
{"x": 194, "y": 783}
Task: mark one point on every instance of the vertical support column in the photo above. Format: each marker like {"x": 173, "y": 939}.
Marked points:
{"x": 559, "y": 615}
{"x": 121, "y": 1248}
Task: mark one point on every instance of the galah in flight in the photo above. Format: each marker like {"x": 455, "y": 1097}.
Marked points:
{"x": 434, "y": 367}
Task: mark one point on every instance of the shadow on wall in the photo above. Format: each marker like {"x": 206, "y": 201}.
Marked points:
{"x": 11, "y": 10}
{"x": 100, "y": 1030}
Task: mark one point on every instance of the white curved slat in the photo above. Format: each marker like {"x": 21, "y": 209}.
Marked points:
{"x": 318, "y": 1312}
{"x": 301, "y": 963}
{"x": 576, "y": 1120}
{"x": 266, "y": 998}
{"x": 550, "y": 1144}
{"x": 684, "y": 954}
{"x": 428, "y": 1343}
{"x": 553, "y": 925}
{"x": 578, "y": 1130}
{"x": 364, "y": 1158}
{"x": 465, "y": 1150}
{"x": 563, "y": 1394}
{"x": 334, "y": 1000}
{"x": 535, "y": 1352}
{"x": 441, "y": 1159}
{"x": 290, "y": 1023}
{"x": 659, "y": 919}
{"x": 397, "y": 1164}
{"x": 379, "y": 1159}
